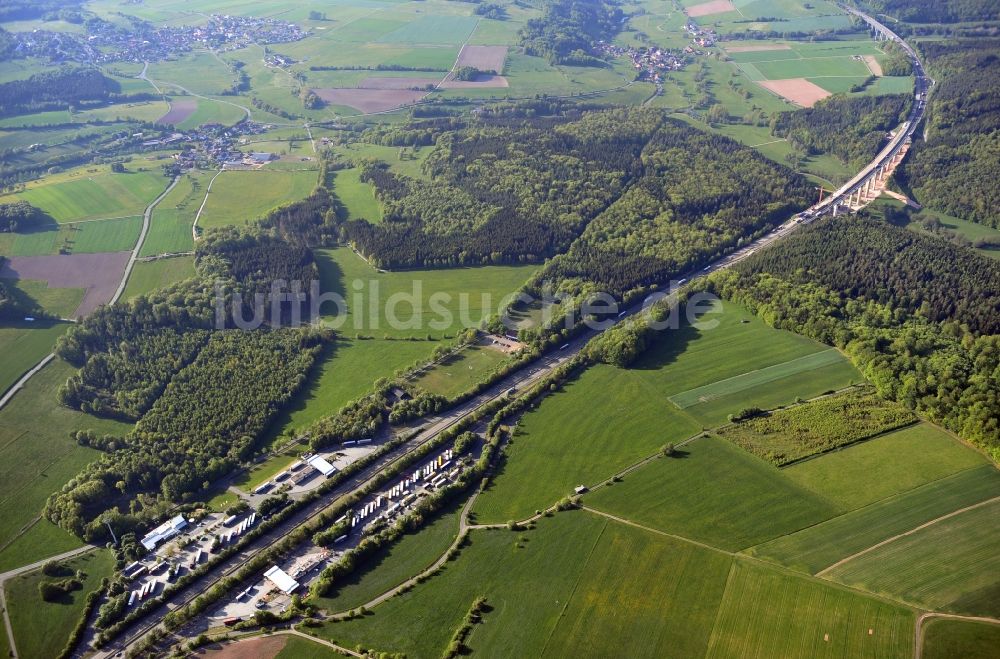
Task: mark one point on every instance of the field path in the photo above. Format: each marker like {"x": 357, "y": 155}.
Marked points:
{"x": 903, "y": 535}
{"x": 194, "y": 225}
{"x": 142, "y": 238}
{"x": 21, "y": 570}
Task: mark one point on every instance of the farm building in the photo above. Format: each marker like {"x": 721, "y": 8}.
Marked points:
{"x": 280, "y": 578}
{"x": 164, "y": 532}
{"x": 261, "y": 157}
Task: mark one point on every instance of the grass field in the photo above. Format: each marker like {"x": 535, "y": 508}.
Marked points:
{"x": 42, "y": 628}
{"x": 864, "y": 473}
{"x": 22, "y": 345}
{"x": 640, "y": 595}
{"x": 358, "y": 197}
{"x": 951, "y": 565}
{"x": 818, "y": 547}
{"x": 241, "y": 196}
{"x": 446, "y": 30}
{"x": 60, "y": 302}
{"x": 473, "y": 294}
{"x": 769, "y": 614}
{"x": 947, "y": 639}
{"x": 94, "y": 192}
{"x": 601, "y": 423}
{"x": 409, "y": 164}
{"x": 89, "y": 237}
{"x": 346, "y": 371}
{"x": 461, "y": 372}
{"x": 43, "y": 539}
{"x": 149, "y": 275}
{"x": 688, "y": 358}
{"x": 589, "y": 571}
{"x": 200, "y": 72}
{"x": 755, "y": 379}
{"x": 408, "y": 556}
{"x": 715, "y": 493}
{"x": 170, "y": 224}
{"x": 37, "y": 455}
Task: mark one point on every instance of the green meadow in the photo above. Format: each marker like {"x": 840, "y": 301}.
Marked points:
{"x": 423, "y": 302}
{"x": 818, "y": 547}
{"x": 766, "y": 613}
{"x": 238, "y": 197}
{"x": 951, "y": 565}
{"x": 600, "y": 423}
{"x": 24, "y": 344}
{"x": 460, "y": 373}
{"x": 357, "y": 196}
{"x": 713, "y": 492}
{"x": 148, "y": 276}
{"x": 37, "y": 454}
{"x": 42, "y": 628}
{"x": 887, "y": 465}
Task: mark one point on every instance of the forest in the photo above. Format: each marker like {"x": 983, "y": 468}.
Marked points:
{"x": 567, "y": 30}
{"x": 55, "y": 89}
{"x": 202, "y": 426}
{"x": 955, "y": 170}
{"x": 938, "y": 11}
{"x": 622, "y": 190}
{"x": 853, "y": 128}
{"x": 868, "y": 259}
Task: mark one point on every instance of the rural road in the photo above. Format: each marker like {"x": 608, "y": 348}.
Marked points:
{"x": 146, "y": 216}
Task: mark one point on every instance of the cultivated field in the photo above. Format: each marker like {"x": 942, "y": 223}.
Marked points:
{"x": 170, "y": 224}
{"x": 950, "y": 565}
{"x": 769, "y": 614}
{"x": 715, "y": 493}
{"x": 180, "y": 110}
{"x": 861, "y": 474}
{"x": 710, "y": 8}
{"x": 754, "y": 379}
{"x": 640, "y": 595}
{"x": 484, "y": 58}
{"x": 818, "y": 547}
{"x": 799, "y": 91}
{"x": 584, "y": 564}
{"x": 239, "y": 197}
{"x": 42, "y": 628}
{"x": 601, "y": 423}
{"x": 510, "y": 570}
{"x": 481, "y": 288}
{"x": 98, "y": 274}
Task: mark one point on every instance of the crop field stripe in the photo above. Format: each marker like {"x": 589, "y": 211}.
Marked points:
{"x": 907, "y": 533}
{"x": 751, "y": 379}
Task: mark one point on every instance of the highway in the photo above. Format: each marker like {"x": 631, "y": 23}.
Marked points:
{"x": 534, "y": 372}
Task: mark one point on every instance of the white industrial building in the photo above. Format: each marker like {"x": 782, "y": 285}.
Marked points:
{"x": 281, "y": 579}
{"x": 169, "y": 529}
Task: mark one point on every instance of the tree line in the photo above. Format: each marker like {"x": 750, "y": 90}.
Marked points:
{"x": 852, "y": 128}
{"x": 56, "y": 90}
{"x": 955, "y": 170}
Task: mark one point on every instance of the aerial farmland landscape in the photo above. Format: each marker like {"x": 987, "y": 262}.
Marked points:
{"x": 500, "y": 328}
